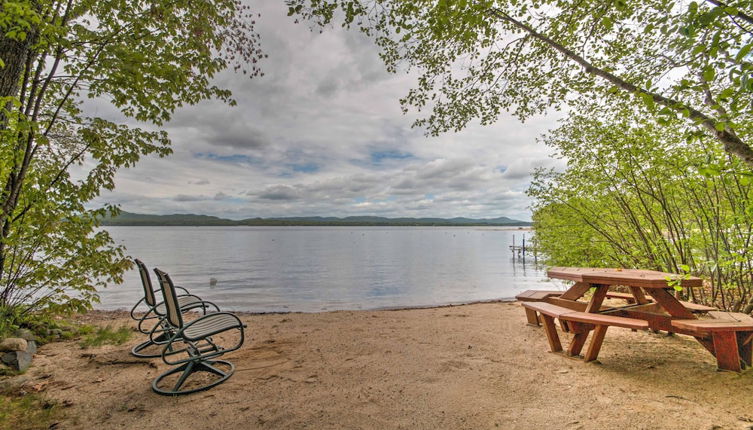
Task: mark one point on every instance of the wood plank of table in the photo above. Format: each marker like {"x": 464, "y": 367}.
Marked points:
{"x": 576, "y": 291}
{"x": 640, "y": 298}
{"x": 570, "y": 304}
{"x": 594, "y": 305}
{"x": 638, "y": 278}
{"x": 670, "y": 304}
{"x": 627, "y": 277}
{"x": 656, "y": 321}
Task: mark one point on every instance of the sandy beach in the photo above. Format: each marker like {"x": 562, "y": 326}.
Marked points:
{"x": 474, "y": 366}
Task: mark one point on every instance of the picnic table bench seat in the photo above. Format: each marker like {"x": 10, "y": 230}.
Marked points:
{"x": 730, "y": 333}
{"x": 600, "y": 322}
{"x": 722, "y": 321}
{"x": 606, "y": 320}
{"x": 535, "y": 296}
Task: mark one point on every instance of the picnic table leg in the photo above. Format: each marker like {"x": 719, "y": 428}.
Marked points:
{"x": 727, "y": 353}
{"x": 579, "y": 339}
{"x": 576, "y": 291}
{"x": 551, "y": 334}
{"x": 532, "y": 318}
{"x": 670, "y": 304}
{"x": 745, "y": 347}
{"x": 598, "y": 298}
{"x": 596, "y": 340}
{"x": 640, "y": 298}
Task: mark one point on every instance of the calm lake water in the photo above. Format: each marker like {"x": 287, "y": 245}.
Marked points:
{"x": 310, "y": 269}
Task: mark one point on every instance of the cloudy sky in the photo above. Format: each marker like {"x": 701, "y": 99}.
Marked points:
{"x": 322, "y": 134}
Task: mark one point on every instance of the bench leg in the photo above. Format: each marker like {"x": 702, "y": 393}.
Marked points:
{"x": 551, "y": 334}
{"x": 596, "y": 340}
{"x": 745, "y": 348}
{"x": 708, "y": 344}
{"x": 727, "y": 353}
{"x": 580, "y": 332}
{"x": 576, "y": 345}
{"x": 531, "y": 316}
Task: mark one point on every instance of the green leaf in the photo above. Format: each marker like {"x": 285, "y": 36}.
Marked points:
{"x": 648, "y": 100}
{"x": 607, "y": 22}
{"x": 708, "y": 73}
{"x": 709, "y": 171}
{"x": 743, "y": 52}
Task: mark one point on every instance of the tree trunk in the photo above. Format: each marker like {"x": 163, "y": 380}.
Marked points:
{"x": 14, "y": 55}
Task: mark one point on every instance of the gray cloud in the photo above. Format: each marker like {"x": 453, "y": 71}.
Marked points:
{"x": 187, "y": 198}
{"x": 322, "y": 133}
{"x": 280, "y": 192}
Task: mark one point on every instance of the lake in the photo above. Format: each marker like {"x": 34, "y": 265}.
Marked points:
{"x": 311, "y": 269}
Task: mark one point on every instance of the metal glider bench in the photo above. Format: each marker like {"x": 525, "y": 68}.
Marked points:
{"x": 161, "y": 332}
{"x": 195, "y": 337}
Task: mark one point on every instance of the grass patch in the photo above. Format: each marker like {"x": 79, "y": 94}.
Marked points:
{"x": 98, "y": 336}
{"x": 27, "y": 412}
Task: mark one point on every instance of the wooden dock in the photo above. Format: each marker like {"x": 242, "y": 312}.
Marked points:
{"x": 519, "y": 250}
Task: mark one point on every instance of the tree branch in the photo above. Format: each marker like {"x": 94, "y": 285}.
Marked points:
{"x": 731, "y": 142}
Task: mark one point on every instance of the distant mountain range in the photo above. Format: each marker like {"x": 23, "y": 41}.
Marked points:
{"x": 132, "y": 219}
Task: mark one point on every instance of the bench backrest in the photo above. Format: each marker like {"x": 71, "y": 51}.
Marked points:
{"x": 171, "y": 299}
{"x": 146, "y": 282}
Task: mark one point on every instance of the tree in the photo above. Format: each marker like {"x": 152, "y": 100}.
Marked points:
{"x": 479, "y": 58}
{"x": 146, "y": 59}
{"x": 636, "y": 194}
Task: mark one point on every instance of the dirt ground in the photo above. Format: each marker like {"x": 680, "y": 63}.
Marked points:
{"x": 475, "y": 366}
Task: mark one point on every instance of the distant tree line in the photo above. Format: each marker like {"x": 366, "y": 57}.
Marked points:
{"x": 131, "y": 219}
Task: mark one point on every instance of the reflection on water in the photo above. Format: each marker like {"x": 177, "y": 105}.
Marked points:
{"x": 309, "y": 269}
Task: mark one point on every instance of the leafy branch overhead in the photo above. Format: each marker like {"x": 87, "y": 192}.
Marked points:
{"x": 146, "y": 59}
{"x": 476, "y": 59}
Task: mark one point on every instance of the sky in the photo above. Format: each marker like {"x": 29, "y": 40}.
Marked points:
{"x": 322, "y": 133}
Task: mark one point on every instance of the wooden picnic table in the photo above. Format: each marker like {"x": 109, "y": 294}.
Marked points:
{"x": 656, "y": 284}
{"x": 728, "y": 336}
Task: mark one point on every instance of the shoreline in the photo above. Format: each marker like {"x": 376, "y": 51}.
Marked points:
{"x": 384, "y": 308}
{"x": 471, "y": 226}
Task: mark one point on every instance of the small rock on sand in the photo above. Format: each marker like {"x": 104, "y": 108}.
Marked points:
{"x": 19, "y": 360}
{"x": 13, "y": 344}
